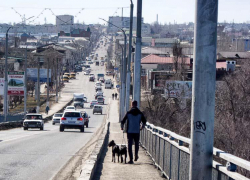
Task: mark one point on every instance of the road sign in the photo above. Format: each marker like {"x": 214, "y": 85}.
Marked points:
{"x": 1, "y": 86}
{"x": 116, "y": 69}
{"x": 16, "y": 83}
{"x": 117, "y": 86}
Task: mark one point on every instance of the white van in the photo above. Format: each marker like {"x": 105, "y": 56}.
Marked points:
{"x": 108, "y": 84}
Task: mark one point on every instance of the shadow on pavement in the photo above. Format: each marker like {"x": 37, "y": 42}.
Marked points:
{"x": 100, "y": 163}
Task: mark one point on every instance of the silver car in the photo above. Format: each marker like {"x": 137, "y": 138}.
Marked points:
{"x": 72, "y": 120}
{"x": 56, "y": 118}
{"x": 97, "y": 109}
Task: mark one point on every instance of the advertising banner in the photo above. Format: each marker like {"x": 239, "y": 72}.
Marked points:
{"x": 33, "y": 72}
{"x": 1, "y": 86}
{"x": 178, "y": 89}
{"x": 16, "y": 83}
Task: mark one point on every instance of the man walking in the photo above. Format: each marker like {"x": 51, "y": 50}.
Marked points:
{"x": 47, "y": 110}
{"x": 135, "y": 122}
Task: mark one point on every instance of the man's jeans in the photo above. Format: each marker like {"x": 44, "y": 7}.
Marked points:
{"x": 133, "y": 137}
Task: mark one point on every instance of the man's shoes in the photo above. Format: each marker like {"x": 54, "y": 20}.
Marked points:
{"x": 130, "y": 162}
{"x": 136, "y": 158}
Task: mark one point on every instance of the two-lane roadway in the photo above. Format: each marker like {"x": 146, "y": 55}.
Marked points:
{"x": 39, "y": 155}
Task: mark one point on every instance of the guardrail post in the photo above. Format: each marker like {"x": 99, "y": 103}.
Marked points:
{"x": 231, "y": 167}
{"x": 170, "y": 138}
{"x": 180, "y": 143}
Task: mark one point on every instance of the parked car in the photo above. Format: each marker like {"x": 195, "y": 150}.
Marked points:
{"x": 72, "y": 75}
{"x": 56, "y": 118}
{"x": 72, "y": 120}
{"x": 65, "y": 78}
{"x": 33, "y": 120}
{"x": 86, "y": 119}
{"x": 92, "y": 103}
{"x": 100, "y": 100}
{"x": 97, "y": 109}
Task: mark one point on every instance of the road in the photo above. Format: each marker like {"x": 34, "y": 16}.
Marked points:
{"x": 40, "y": 155}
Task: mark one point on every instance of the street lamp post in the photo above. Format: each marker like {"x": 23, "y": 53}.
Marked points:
{"x": 123, "y": 95}
{"x": 129, "y": 57}
{"x": 137, "y": 63}
{"x": 6, "y": 77}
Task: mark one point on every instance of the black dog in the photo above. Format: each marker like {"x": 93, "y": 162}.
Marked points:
{"x": 123, "y": 151}
{"x": 115, "y": 150}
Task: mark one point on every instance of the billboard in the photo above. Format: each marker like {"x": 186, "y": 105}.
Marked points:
{"x": 16, "y": 83}
{"x": 33, "y": 72}
{"x": 1, "y": 86}
{"x": 178, "y": 89}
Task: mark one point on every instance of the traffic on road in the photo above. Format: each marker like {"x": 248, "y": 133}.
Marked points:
{"x": 44, "y": 148}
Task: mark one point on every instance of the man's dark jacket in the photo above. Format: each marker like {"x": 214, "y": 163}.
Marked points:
{"x": 134, "y": 118}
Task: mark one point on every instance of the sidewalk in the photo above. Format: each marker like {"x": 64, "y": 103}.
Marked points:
{"x": 62, "y": 101}
{"x": 107, "y": 170}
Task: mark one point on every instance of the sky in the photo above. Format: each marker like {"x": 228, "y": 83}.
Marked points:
{"x": 89, "y": 11}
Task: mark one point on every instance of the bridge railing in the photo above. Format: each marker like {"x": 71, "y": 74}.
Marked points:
{"x": 171, "y": 155}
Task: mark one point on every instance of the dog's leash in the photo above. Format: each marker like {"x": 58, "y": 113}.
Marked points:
{"x": 123, "y": 139}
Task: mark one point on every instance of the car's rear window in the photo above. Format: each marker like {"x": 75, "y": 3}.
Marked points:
{"x": 72, "y": 114}
{"x": 33, "y": 117}
{"x": 70, "y": 108}
{"x": 100, "y": 99}
{"x": 58, "y": 115}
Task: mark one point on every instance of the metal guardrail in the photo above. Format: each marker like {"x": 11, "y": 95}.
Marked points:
{"x": 171, "y": 155}
{"x": 12, "y": 117}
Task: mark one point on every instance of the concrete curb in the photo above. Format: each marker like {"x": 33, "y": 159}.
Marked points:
{"x": 89, "y": 167}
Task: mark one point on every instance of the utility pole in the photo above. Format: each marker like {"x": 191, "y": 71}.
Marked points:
{"x": 56, "y": 80}
{"x": 47, "y": 103}
{"x": 122, "y": 17}
{"x": 120, "y": 96}
{"x": 25, "y": 82}
{"x": 123, "y": 78}
{"x": 6, "y": 106}
{"x": 137, "y": 63}
{"x": 203, "y": 98}
{"x": 128, "y": 79}
{"x": 38, "y": 87}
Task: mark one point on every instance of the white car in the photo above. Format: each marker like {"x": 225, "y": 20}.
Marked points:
{"x": 70, "y": 108}
{"x": 72, "y": 120}
{"x": 56, "y": 118}
{"x": 33, "y": 120}
{"x": 92, "y": 103}
{"x": 86, "y": 73}
{"x": 98, "y": 84}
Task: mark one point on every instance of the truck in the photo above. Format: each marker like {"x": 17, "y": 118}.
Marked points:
{"x": 108, "y": 84}
{"x": 78, "y": 100}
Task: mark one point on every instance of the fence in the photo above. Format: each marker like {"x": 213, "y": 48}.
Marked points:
{"x": 12, "y": 117}
{"x": 170, "y": 153}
